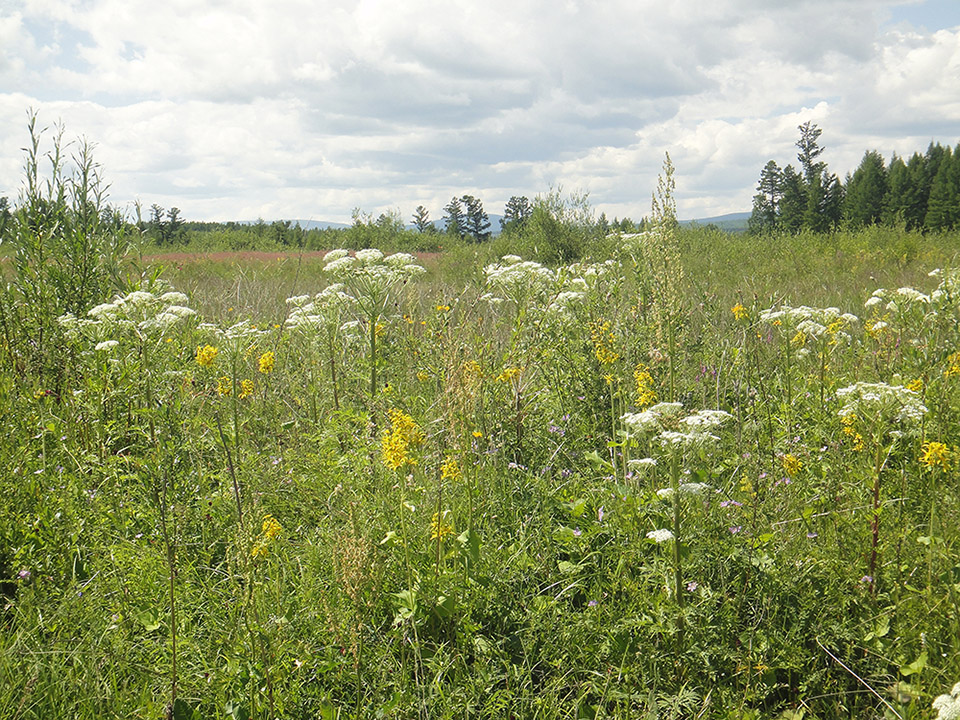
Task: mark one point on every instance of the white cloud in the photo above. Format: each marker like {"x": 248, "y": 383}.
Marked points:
{"x": 307, "y": 109}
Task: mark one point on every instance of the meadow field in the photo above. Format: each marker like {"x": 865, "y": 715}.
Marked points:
{"x": 691, "y": 475}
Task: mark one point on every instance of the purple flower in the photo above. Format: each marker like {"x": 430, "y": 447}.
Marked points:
{"x": 691, "y": 586}
{"x": 24, "y": 574}
{"x": 866, "y": 579}
{"x": 811, "y": 535}
{"x": 600, "y": 514}
{"x": 730, "y": 503}
{"x": 735, "y": 529}
{"x": 592, "y": 603}
{"x": 577, "y": 532}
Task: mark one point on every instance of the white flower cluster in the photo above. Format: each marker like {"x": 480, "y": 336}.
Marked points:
{"x": 517, "y": 277}
{"x": 145, "y": 314}
{"x": 660, "y": 536}
{"x": 905, "y": 297}
{"x": 948, "y": 706}
{"x": 239, "y": 335}
{"x": 313, "y": 312}
{"x": 673, "y": 430}
{"x": 889, "y": 403}
{"x": 369, "y": 267}
{"x": 812, "y": 322}
{"x": 694, "y": 488}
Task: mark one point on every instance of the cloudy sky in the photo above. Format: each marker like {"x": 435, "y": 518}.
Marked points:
{"x": 238, "y": 109}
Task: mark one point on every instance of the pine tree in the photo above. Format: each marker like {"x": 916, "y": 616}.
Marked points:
{"x": 421, "y": 220}
{"x": 766, "y": 203}
{"x": 865, "y": 192}
{"x": 477, "y": 222}
{"x": 943, "y": 206}
{"x": 454, "y": 221}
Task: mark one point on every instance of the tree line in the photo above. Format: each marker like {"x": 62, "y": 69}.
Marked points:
{"x": 921, "y": 193}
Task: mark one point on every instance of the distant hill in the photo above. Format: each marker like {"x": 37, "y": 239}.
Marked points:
{"x": 731, "y": 222}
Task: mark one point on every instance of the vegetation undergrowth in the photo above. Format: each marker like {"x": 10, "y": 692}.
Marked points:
{"x": 676, "y": 478}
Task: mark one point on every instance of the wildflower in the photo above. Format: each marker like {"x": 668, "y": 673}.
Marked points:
{"x": 791, "y": 464}
{"x": 935, "y": 454}
{"x": 508, "y": 374}
{"x": 660, "y": 536}
{"x": 106, "y": 345}
{"x": 643, "y": 381}
{"x": 266, "y": 362}
{"x": 397, "y": 440}
{"x": 206, "y": 355}
{"x": 270, "y": 530}
{"x": 443, "y": 308}
{"x": 477, "y": 434}
{"x": 948, "y": 706}
{"x": 953, "y": 365}
{"x": 915, "y": 385}
{"x": 739, "y": 311}
{"x": 246, "y": 389}
{"x": 450, "y": 470}
{"x": 883, "y": 402}
{"x": 603, "y": 341}
{"x": 439, "y": 528}
{"x": 224, "y": 386}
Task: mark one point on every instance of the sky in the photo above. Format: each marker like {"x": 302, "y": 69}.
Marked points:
{"x": 308, "y": 109}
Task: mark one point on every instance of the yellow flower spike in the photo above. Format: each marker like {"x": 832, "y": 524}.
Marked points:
{"x": 266, "y": 362}
{"x": 450, "y": 470}
{"x": 224, "y": 386}
{"x": 915, "y": 385}
{"x": 206, "y": 355}
{"x": 246, "y": 389}
{"x": 739, "y": 311}
{"x": 935, "y": 454}
{"x": 791, "y": 465}
{"x": 439, "y": 528}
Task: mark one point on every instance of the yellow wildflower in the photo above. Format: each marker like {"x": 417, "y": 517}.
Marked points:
{"x": 379, "y": 329}
{"x": 791, "y": 464}
{"x": 439, "y": 528}
{"x": 402, "y": 434}
{"x": 508, "y": 374}
{"x": 644, "y": 383}
{"x": 266, "y": 362}
{"x": 477, "y": 434}
{"x": 849, "y": 421}
{"x": 246, "y": 389}
{"x": 800, "y": 338}
{"x": 206, "y": 355}
{"x": 443, "y": 308}
{"x": 935, "y": 454}
{"x": 603, "y": 341}
{"x": 270, "y": 529}
{"x": 450, "y": 470}
{"x": 915, "y": 385}
{"x": 739, "y": 311}
{"x": 953, "y": 365}
{"x": 224, "y": 386}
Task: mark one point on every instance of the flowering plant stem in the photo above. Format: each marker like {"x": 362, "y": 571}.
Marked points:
{"x": 677, "y": 569}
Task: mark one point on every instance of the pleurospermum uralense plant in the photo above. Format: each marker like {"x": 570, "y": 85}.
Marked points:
{"x": 593, "y": 555}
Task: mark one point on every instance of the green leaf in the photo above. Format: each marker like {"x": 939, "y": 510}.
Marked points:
{"x": 470, "y": 545}
{"x": 149, "y": 617}
{"x": 916, "y": 666}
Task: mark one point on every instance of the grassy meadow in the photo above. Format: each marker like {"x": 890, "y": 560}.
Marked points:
{"x": 693, "y": 475}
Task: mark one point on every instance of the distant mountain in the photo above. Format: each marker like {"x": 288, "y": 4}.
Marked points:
{"x": 731, "y": 222}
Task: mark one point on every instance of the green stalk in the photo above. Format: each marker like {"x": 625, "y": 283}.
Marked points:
{"x": 677, "y": 569}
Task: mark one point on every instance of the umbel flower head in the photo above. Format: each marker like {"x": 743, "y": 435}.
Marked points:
{"x": 948, "y": 706}
{"x": 885, "y": 403}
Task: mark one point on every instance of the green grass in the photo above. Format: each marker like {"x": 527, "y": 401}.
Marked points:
{"x": 136, "y": 492}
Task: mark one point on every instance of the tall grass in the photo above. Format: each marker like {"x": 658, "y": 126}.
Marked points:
{"x": 212, "y": 510}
